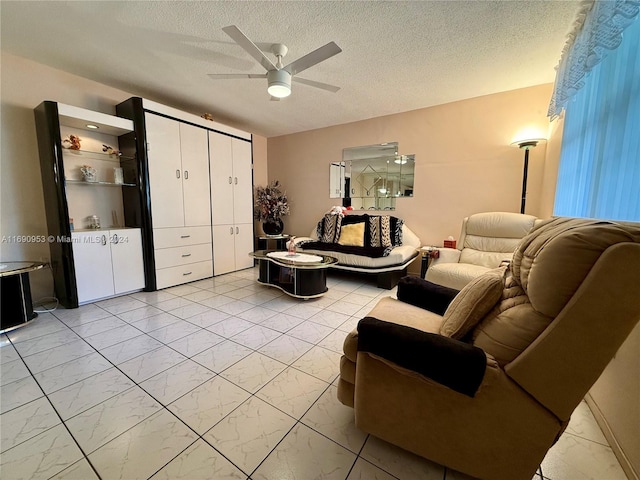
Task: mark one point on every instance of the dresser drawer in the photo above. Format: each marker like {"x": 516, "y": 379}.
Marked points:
{"x": 168, "y": 277}
{"x": 177, "y": 237}
{"x": 172, "y": 257}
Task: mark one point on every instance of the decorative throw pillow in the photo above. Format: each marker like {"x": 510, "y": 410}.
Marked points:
{"x": 397, "y": 236}
{"x": 473, "y": 302}
{"x": 331, "y": 230}
{"x": 380, "y": 231}
{"x": 352, "y": 235}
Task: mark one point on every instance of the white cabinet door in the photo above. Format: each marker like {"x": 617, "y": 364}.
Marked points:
{"x": 126, "y": 258}
{"x": 243, "y": 245}
{"x": 223, "y": 249}
{"x": 221, "y": 165}
{"x": 165, "y": 171}
{"x": 92, "y": 260}
{"x": 242, "y": 182}
{"x": 194, "y": 146}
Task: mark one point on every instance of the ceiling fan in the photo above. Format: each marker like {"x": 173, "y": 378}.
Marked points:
{"x": 279, "y": 77}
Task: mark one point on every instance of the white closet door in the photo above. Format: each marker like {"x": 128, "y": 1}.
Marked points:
{"x": 195, "y": 175}
{"x": 242, "y": 182}
{"x": 92, "y": 260}
{"x": 221, "y": 165}
{"x": 243, "y": 245}
{"x": 165, "y": 171}
{"x": 223, "y": 249}
{"x": 126, "y": 258}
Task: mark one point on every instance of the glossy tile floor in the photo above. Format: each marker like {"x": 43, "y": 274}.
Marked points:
{"x": 219, "y": 379}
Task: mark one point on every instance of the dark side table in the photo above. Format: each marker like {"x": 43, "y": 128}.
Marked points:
{"x": 16, "y": 307}
{"x": 428, "y": 253}
{"x": 279, "y": 240}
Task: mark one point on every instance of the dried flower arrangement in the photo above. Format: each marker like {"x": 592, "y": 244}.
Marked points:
{"x": 270, "y": 203}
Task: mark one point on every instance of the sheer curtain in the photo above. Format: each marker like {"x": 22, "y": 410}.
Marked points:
{"x": 599, "y": 173}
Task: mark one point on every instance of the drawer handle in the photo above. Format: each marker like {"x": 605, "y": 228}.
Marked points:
{"x": 185, "y": 236}
{"x": 185, "y": 274}
{"x": 104, "y": 239}
{"x": 186, "y": 174}
{"x": 186, "y": 255}
{"x": 237, "y": 230}
{"x": 177, "y": 173}
{"x": 236, "y": 180}
{"x": 230, "y": 180}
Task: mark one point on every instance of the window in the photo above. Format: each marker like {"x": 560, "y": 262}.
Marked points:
{"x": 599, "y": 174}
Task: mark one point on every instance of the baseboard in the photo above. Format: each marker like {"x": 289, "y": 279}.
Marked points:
{"x": 613, "y": 443}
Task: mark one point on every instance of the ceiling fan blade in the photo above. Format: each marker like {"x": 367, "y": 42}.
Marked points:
{"x": 310, "y": 59}
{"x": 250, "y": 47}
{"x": 224, "y": 76}
{"x": 313, "y": 83}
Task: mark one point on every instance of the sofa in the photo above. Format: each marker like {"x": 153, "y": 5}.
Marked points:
{"x": 484, "y": 380}
{"x": 486, "y": 239}
{"x": 380, "y": 245}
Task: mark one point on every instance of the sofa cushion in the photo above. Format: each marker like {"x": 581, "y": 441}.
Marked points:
{"x": 352, "y": 235}
{"x": 486, "y": 259}
{"x": 392, "y": 310}
{"x": 473, "y": 302}
{"x": 454, "y": 275}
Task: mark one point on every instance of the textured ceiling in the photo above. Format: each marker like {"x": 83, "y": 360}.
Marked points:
{"x": 397, "y": 56}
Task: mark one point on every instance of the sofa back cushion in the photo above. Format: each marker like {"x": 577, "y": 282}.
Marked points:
{"x": 488, "y": 238}
{"x": 511, "y": 325}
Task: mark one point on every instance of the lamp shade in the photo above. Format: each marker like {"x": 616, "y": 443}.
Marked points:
{"x": 279, "y": 83}
{"x": 527, "y": 143}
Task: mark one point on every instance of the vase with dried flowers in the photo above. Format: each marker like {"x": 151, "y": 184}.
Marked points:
{"x": 270, "y": 205}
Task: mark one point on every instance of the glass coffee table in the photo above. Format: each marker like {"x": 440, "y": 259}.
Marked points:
{"x": 300, "y": 275}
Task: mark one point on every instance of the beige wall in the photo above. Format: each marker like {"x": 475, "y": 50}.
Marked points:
{"x": 616, "y": 396}
{"x": 464, "y": 163}
{"x": 25, "y": 84}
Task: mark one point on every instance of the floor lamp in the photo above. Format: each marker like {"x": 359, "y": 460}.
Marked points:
{"x": 526, "y": 145}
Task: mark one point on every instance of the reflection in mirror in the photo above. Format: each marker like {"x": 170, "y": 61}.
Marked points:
{"x": 336, "y": 180}
{"x": 377, "y": 175}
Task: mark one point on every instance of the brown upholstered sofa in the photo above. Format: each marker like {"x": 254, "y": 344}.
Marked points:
{"x": 488, "y": 387}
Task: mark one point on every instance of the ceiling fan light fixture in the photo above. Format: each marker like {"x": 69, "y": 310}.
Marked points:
{"x": 279, "y": 83}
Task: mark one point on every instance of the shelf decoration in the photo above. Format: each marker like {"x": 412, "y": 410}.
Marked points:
{"x": 88, "y": 173}
{"x": 109, "y": 150}
{"x": 72, "y": 142}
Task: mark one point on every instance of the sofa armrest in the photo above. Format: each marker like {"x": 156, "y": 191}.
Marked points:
{"x": 452, "y": 363}
{"x": 424, "y": 294}
{"x": 446, "y": 255}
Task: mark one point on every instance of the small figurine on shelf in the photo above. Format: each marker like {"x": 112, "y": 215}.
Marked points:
{"x": 109, "y": 150}
{"x": 88, "y": 173}
{"x": 72, "y": 142}
{"x": 207, "y": 116}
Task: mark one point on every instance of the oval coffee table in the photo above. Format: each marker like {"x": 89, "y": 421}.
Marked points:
{"x": 300, "y": 275}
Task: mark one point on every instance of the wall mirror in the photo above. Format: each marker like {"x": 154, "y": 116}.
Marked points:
{"x": 375, "y": 175}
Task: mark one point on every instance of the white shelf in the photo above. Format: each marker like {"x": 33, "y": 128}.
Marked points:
{"x": 77, "y": 117}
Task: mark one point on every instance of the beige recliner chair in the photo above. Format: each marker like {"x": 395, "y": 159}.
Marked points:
{"x": 486, "y": 239}
{"x": 487, "y": 388}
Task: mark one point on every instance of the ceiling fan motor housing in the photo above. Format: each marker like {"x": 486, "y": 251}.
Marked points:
{"x": 279, "y": 83}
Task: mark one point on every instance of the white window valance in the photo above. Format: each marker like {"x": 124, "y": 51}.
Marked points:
{"x": 597, "y": 29}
